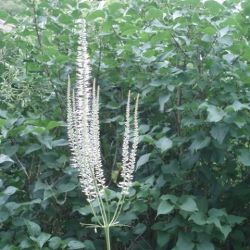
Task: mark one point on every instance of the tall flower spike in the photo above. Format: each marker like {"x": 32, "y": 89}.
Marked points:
{"x": 84, "y": 130}
{"x": 83, "y": 125}
{"x": 129, "y": 158}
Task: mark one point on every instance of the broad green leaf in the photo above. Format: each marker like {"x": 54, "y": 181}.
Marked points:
{"x": 140, "y": 228}
{"x": 127, "y": 217}
{"x": 229, "y": 57}
{"x": 10, "y": 190}
{"x": 65, "y": 19}
{"x": 5, "y": 158}
{"x": 233, "y": 219}
{"x": 59, "y": 143}
{"x": 159, "y": 37}
{"x": 244, "y": 157}
{"x": 198, "y": 218}
{"x": 32, "y": 148}
{"x": 115, "y": 7}
{"x": 206, "y": 245}
{"x": 4, "y": 215}
{"x": 188, "y": 204}
{"x": 170, "y": 197}
{"x": 45, "y": 140}
{"x": 54, "y": 124}
{"x": 75, "y": 244}
{"x": 164, "y": 207}
{"x": 164, "y": 144}
{"x": 214, "y": 220}
{"x": 184, "y": 242}
{"x": 200, "y": 142}
{"x": 162, "y": 238}
{"x": 42, "y": 239}
{"x": 225, "y": 229}
{"x": 215, "y": 114}
{"x": 219, "y": 132}
{"x": 177, "y": 14}
{"x": 225, "y": 41}
{"x": 142, "y": 160}
{"x": 213, "y": 6}
{"x": 215, "y": 212}
{"x": 153, "y": 13}
{"x": 33, "y": 228}
{"x": 89, "y": 245}
{"x": 237, "y": 106}
{"x": 55, "y": 242}
{"x": 162, "y": 101}
{"x": 83, "y": 210}
{"x": 224, "y": 31}
{"x": 95, "y": 14}
{"x": 66, "y": 187}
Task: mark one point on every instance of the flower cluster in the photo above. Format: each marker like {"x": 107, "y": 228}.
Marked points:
{"x": 84, "y": 130}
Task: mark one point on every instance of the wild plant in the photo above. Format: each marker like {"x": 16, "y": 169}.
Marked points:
{"x": 84, "y": 141}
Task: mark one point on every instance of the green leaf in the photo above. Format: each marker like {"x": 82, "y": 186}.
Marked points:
{"x": 198, "y": 218}
{"x": 89, "y": 245}
{"x": 184, "y": 242}
{"x": 161, "y": 36}
{"x": 66, "y": 187}
{"x": 55, "y": 242}
{"x": 226, "y": 229}
{"x": 65, "y": 19}
{"x": 170, "y": 197}
{"x": 142, "y": 160}
{"x": 199, "y": 143}
{"x": 5, "y": 158}
{"x": 177, "y": 14}
{"x": 219, "y": 132}
{"x": 162, "y": 238}
{"x": 59, "y": 143}
{"x": 188, "y": 204}
{"x": 233, "y": 219}
{"x": 32, "y": 148}
{"x": 162, "y": 101}
{"x": 54, "y": 124}
{"x": 115, "y": 7}
{"x": 153, "y": 13}
{"x": 83, "y": 210}
{"x": 205, "y": 245}
{"x": 140, "y": 228}
{"x": 164, "y": 144}
{"x": 237, "y": 106}
{"x": 164, "y": 207}
{"x": 213, "y": 6}
{"x": 244, "y": 157}
{"x": 75, "y": 244}
{"x": 215, "y": 114}
{"x": 127, "y": 217}
{"x": 4, "y": 215}
{"x": 224, "y": 31}
{"x": 10, "y": 190}
{"x": 95, "y": 14}
{"x": 45, "y": 140}
{"x": 42, "y": 239}
{"x": 33, "y": 228}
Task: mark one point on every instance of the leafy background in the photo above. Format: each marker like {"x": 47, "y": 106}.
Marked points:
{"x": 189, "y": 61}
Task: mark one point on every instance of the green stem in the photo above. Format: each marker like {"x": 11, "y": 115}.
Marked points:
{"x": 107, "y": 236}
{"x": 118, "y": 209}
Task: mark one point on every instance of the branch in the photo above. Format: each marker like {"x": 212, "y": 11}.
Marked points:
{"x": 46, "y": 68}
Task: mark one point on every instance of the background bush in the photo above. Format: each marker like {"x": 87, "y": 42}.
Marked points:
{"x": 190, "y": 63}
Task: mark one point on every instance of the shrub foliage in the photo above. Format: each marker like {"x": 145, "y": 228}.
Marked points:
{"x": 190, "y": 63}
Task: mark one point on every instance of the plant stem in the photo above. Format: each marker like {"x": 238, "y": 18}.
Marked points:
{"x": 107, "y": 236}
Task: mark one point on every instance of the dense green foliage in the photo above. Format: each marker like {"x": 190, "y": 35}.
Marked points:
{"x": 190, "y": 63}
